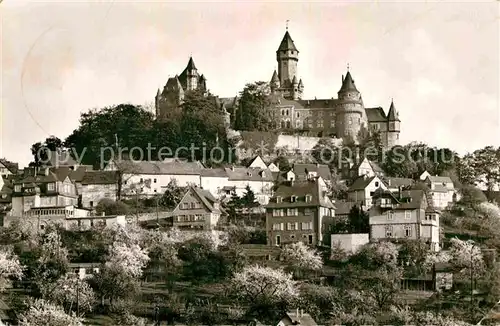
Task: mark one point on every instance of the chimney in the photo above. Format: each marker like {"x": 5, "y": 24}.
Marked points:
{"x": 399, "y": 192}
{"x": 297, "y": 312}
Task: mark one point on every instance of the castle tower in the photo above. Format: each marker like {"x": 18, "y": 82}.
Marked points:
{"x": 394, "y": 127}
{"x": 287, "y": 56}
{"x": 275, "y": 82}
{"x": 350, "y": 110}
{"x": 192, "y": 75}
{"x": 295, "y": 88}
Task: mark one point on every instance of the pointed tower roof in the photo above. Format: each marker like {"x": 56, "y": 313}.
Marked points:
{"x": 348, "y": 84}
{"x": 190, "y": 65}
{"x": 393, "y": 114}
{"x": 287, "y": 43}
{"x": 275, "y": 78}
{"x": 300, "y": 83}
{"x": 294, "y": 80}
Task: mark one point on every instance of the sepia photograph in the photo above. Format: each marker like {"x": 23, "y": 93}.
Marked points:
{"x": 249, "y": 163}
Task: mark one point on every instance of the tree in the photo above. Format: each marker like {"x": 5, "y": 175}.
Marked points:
{"x": 202, "y": 125}
{"x": 72, "y": 293}
{"x": 43, "y": 313}
{"x": 172, "y": 195}
{"x": 129, "y": 259}
{"x": 120, "y": 126}
{"x": 111, "y": 207}
{"x": 265, "y": 289}
{"x": 485, "y": 163}
{"x": 413, "y": 253}
{"x": 248, "y": 200}
{"x": 359, "y": 221}
{"x": 10, "y": 267}
{"x": 254, "y": 108}
{"x": 327, "y": 152}
{"x": 283, "y": 163}
{"x": 40, "y": 150}
{"x": 301, "y": 258}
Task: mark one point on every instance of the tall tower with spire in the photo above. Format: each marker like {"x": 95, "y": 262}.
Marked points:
{"x": 350, "y": 111}
{"x": 287, "y": 56}
{"x": 394, "y": 126}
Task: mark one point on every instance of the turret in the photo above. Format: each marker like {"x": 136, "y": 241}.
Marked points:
{"x": 350, "y": 115}
{"x": 394, "y": 126}
{"x": 157, "y": 102}
{"x": 287, "y": 56}
{"x": 275, "y": 82}
{"x": 301, "y": 85}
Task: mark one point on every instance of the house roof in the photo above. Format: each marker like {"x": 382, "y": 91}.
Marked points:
{"x": 439, "y": 179}
{"x": 375, "y": 167}
{"x": 300, "y": 319}
{"x": 205, "y": 197}
{"x": 100, "y": 177}
{"x": 160, "y": 167}
{"x": 318, "y": 103}
{"x": 398, "y": 182}
{"x": 214, "y": 173}
{"x": 361, "y": 183}
{"x": 249, "y": 174}
{"x": 302, "y": 169}
{"x": 53, "y": 175}
{"x": 376, "y": 114}
{"x": 11, "y": 166}
{"x": 77, "y": 174}
{"x": 343, "y": 207}
{"x": 417, "y": 198}
{"x": 300, "y": 189}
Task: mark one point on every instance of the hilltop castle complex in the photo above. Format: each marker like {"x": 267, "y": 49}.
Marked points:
{"x": 342, "y": 117}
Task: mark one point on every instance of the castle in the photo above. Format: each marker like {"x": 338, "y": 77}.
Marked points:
{"x": 343, "y": 117}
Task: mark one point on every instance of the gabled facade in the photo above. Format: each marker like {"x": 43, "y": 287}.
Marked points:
{"x": 258, "y": 162}
{"x": 404, "y": 215}
{"x": 304, "y": 171}
{"x": 273, "y": 167}
{"x": 197, "y": 210}
{"x": 214, "y": 180}
{"x": 394, "y": 184}
{"x": 8, "y": 168}
{"x": 298, "y": 317}
{"x": 442, "y": 191}
{"x": 368, "y": 168}
{"x": 43, "y": 187}
{"x": 296, "y": 213}
{"x": 362, "y": 189}
{"x": 261, "y": 181}
{"x": 97, "y": 185}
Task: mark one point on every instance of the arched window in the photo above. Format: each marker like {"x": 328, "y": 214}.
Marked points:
{"x": 282, "y": 112}
{"x": 287, "y": 112}
{"x": 282, "y": 124}
{"x": 288, "y": 125}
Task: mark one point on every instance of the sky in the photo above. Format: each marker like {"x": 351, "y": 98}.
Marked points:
{"x": 439, "y": 61}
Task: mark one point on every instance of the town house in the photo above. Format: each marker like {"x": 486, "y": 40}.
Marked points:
{"x": 97, "y": 185}
{"x": 215, "y": 181}
{"x": 197, "y": 210}
{"x": 43, "y": 187}
{"x": 362, "y": 189}
{"x": 442, "y": 191}
{"x": 259, "y": 180}
{"x": 407, "y": 214}
{"x": 8, "y": 168}
{"x": 148, "y": 178}
{"x": 366, "y": 167}
{"x": 296, "y": 212}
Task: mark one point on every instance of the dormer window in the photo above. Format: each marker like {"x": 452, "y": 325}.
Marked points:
{"x": 17, "y": 188}
{"x": 249, "y": 174}
{"x": 308, "y": 198}
{"x": 293, "y": 199}
{"x": 51, "y": 187}
{"x": 279, "y": 199}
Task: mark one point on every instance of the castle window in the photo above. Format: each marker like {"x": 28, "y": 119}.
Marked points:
{"x": 298, "y": 115}
{"x": 408, "y": 231}
{"x": 282, "y": 124}
{"x": 320, "y": 123}
{"x": 332, "y": 123}
{"x": 282, "y": 112}
{"x": 288, "y": 125}
{"x": 350, "y": 121}
{"x": 298, "y": 124}
{"x": 388, "y": 231}
{"x": 287, "y": 112}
